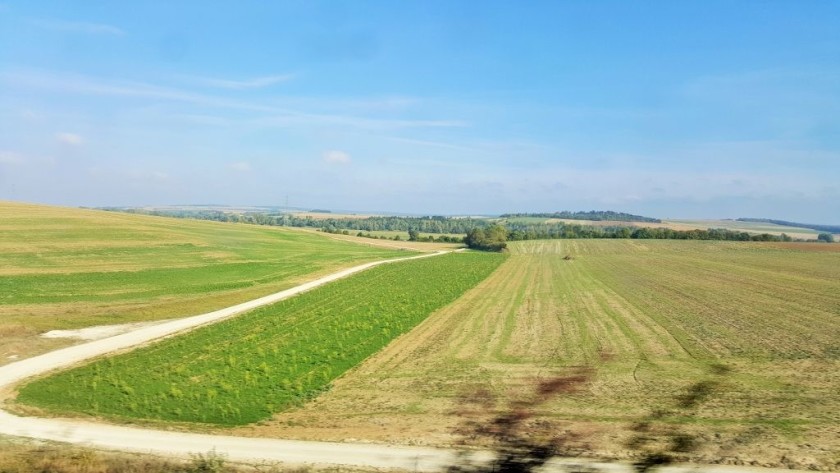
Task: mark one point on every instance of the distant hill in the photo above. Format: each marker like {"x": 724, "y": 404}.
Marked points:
{"x": 819, "y": 228}
{"x": 595, "y": 215}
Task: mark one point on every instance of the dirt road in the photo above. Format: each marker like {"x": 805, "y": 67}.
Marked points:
{"x": 184, "y": 444}
{"x": 244, "y": 449}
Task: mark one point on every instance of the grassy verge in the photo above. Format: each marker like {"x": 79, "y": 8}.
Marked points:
{"x": 25, "y": 456}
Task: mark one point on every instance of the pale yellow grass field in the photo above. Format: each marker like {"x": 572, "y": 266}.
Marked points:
{"x": 650, "y": 317}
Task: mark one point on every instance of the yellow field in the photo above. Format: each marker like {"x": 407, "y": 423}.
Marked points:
{"x": 651, "y": 317}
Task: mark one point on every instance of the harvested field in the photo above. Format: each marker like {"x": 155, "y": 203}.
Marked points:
{"x": 392, "y": 244}
{"x": 651, "y": 316}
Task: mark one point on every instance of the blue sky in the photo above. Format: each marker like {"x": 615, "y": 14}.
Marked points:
{"x": 668, "y": 109}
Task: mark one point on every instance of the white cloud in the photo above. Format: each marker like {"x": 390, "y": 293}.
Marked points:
{"x": 336, "y": 157}
{"x": 71, "y": 139}
{"x": 240, "y": 166}
{"x": 255, "y": 83}
{"x": 78, "y": 27}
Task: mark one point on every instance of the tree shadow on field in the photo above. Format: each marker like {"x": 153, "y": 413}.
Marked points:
{"x": 521, "y": 440}
{"x": 659, "y": 443}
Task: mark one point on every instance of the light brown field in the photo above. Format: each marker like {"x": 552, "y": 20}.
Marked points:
{"x": 325, "y": 216}
{"x": 651, "y": 317}
{"x": 391, "y": 244}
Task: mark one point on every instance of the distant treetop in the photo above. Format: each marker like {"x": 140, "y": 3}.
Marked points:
{"x": 599, "y": 215}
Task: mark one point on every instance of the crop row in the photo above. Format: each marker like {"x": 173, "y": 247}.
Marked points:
{"x": 245, "y": 369}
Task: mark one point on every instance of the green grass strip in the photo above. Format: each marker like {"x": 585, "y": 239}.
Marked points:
{"x": 245, "y": 369}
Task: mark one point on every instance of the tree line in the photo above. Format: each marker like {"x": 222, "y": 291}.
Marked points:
{"x": 595, "y": 215}
{"x": 485, "y": 234}
{"x": 427, "y": 224}
{"x": 552, "y": 231}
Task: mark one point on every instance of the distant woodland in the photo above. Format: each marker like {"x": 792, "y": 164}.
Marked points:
{"x": 483, "y": 233}
{"x": 594, "y": 215}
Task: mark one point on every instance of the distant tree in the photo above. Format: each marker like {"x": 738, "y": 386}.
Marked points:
{"x": 488, "y": 239}
{"x": 826, "y": 237}
{"x": 413, "y": 235}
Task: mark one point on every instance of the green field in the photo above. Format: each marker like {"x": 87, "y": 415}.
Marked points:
{"x": 651, "y": 317}
{"x": 63, "y": 268}
{"x": 280, "y": 355}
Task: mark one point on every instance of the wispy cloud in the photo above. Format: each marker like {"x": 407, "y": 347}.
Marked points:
{"x": 71, "y": 139}
{"x": 254, "y": 83}
{"x": 336, "y": 157}
{"x": 272, "y": 115}
{"x": 78, "y": 27}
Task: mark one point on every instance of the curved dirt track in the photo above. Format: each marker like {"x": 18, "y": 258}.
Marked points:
{"x": 243, "y": 449}
{"x": 183, "y": 444}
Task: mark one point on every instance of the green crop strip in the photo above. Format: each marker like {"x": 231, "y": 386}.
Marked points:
{"x": 245, "y": 369}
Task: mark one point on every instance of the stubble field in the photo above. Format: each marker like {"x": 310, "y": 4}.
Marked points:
{"x": 651, "y": 317}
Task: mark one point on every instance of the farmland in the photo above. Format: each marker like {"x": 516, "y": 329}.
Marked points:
{"x": 650, "y": 316}
{"x": 281, "y": 354}
{"x": 64, "y": 268}
{"x": 682, "y": 225}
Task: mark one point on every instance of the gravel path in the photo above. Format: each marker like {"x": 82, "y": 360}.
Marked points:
{"x": 243, "y": 449}
{"x": 185, "y": 444}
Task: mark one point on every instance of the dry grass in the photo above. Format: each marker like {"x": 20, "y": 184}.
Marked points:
{"x": 651, "y": 317}
{"x": 19, "y": 455}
